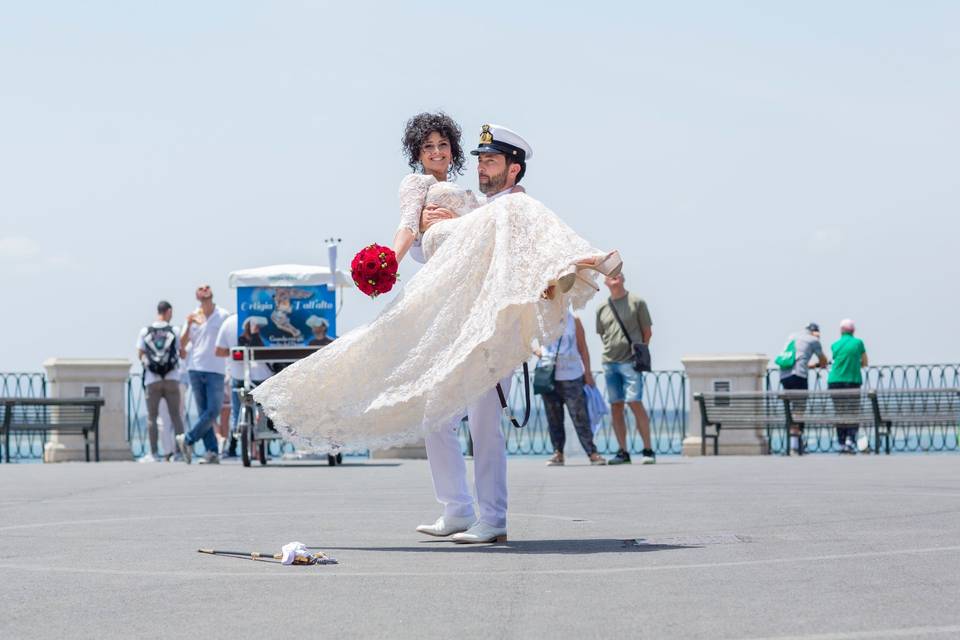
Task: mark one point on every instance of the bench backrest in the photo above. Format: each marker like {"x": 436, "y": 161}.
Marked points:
{"x": 45, "y": 413}
{"x": 838, "y": 405}
{"x": 919, "y": 406}
{"x": 742, "y": 407}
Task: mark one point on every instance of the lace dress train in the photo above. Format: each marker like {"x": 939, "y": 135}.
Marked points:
{"x": 468, "y": 318}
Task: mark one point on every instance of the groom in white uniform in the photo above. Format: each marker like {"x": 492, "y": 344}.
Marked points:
{"x": 502, "y": 161}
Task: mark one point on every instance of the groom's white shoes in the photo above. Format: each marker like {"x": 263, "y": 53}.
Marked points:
{"x": 446, "y": 525}
{"x": 481, "y": 532}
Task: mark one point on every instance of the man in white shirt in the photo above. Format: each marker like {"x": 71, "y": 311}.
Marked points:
{"x": 205, "y": 369}
{"x": 227, "y": 339}
{"x": 158, "y": 347}
{"x": 502, "y": 156}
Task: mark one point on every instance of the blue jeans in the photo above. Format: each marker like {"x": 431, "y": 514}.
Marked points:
{"x": 623, "y": 382}
{"x": 208, "y": 396}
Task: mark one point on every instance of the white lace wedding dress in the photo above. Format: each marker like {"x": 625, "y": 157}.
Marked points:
{"x": 468, "y": 318}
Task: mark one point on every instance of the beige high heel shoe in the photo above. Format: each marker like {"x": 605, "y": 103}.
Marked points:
{"x": 609, "y": 265}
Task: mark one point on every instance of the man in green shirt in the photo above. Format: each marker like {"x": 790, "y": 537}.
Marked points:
{"x": 849, "y": 356}
{"x": 624, "y": 384}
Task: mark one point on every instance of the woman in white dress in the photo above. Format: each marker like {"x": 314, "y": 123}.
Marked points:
{"x": 496, "y": 282}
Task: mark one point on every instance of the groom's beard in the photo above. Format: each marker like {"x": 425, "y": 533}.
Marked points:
{"x": 494, "y": 184}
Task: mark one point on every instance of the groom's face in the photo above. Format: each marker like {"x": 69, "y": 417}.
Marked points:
{"x": 493, "y": 174}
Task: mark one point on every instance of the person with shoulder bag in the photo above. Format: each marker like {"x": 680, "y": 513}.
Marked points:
{"x": 625, "y": 328}
{"x": 560, "y": 377}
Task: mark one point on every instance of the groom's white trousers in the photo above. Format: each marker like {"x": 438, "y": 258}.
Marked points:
{"x": 489, "y": 462}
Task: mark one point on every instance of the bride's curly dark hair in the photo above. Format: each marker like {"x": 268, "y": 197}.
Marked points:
{"x": 420, "y": 126}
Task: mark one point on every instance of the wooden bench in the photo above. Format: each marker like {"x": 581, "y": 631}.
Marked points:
{"x": 836, "y": 408}
{"x": 65, "y": 415}
{"x": 914, "y": 408}
{"x": 882, "y": 409}
{"x": 738, "y": 410}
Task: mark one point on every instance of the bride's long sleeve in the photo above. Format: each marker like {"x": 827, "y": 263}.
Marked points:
{"x": 413, "y": 196}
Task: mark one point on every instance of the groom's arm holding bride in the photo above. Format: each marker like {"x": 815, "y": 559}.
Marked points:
{"x": 433, "y": 214}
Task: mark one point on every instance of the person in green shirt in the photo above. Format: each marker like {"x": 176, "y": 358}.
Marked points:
{"x": 849, "y": 356}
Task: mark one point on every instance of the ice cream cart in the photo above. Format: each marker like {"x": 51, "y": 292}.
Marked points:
{"x": 285, "y": 312}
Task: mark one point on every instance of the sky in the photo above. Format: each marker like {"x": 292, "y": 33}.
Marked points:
{"x": 759, "y": 165}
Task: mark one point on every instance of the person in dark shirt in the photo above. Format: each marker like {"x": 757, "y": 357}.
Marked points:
{"x": 319, "y": 326}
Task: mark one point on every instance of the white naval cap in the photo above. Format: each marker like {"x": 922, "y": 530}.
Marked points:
{"x": 260, "y": 321}
{"x": 497, "y": 139}
{"x": 317, "y": 321}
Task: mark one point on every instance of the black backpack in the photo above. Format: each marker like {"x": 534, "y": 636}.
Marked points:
{"x": 161, "y": 352}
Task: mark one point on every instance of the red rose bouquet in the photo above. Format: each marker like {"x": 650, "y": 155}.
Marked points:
{"x": 374, "y": 269}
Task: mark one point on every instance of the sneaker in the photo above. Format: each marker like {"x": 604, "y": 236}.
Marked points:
{"x": 649, "y": 457}
{"x": 622, "y": 457}
{"x": 186, "y": 450}
{"x": 148, "y": 458}
{"x": 556, "y": 460}
{"x": 210, "y": 458}
{"x": 597, "y": 459}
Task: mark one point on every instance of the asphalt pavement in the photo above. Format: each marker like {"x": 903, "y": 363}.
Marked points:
{"x": 733, "y": 547}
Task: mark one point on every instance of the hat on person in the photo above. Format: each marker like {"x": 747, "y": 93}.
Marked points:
{"x": 497, "y": 139}
{"x": 316, "y": 321}
{"x": 260, "y": 321}
{"x": 813, "y": 326}
{"x": 847, "y": 326}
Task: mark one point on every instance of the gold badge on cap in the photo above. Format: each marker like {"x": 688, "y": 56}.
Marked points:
{"x": 485, "y": 136}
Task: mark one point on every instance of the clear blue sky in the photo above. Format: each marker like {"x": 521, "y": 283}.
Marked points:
{"x": 759, "y": 164}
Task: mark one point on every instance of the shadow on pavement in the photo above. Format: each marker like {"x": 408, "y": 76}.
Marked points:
{"x": 527, "y": 547}
{"x": 293, "y": 464}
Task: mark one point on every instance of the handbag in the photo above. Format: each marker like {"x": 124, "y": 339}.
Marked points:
{"x": 545, "y": 375}
{"x": 641, "y": 352}
{"x": 788, "y": 358}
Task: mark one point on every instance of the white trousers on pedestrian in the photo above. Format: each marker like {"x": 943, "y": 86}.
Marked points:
{"x": 449, "y": 469}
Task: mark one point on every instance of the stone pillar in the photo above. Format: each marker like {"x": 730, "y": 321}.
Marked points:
{"x": 103, "y": 378}
{"x": 734, "y": 372}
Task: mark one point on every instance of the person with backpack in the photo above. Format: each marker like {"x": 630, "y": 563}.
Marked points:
{"x": 159, "y": 349}
{"x": 795, "y": 363}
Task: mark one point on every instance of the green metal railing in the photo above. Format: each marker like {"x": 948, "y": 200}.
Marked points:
{"x": 664, "y": 397}
{"x": 912, "y": 438}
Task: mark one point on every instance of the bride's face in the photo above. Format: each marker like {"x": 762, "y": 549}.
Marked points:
{"x": 435, "y": 154}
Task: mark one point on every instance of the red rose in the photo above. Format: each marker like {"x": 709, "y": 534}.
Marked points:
{"x": 374, "y": 269}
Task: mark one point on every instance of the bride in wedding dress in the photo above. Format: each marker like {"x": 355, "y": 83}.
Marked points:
{"x": 498, "y": 279}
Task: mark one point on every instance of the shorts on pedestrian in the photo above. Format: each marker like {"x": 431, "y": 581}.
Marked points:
{"x": 623, "y": 382}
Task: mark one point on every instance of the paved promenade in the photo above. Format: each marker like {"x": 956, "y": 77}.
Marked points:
{"x": 819, "y": 547}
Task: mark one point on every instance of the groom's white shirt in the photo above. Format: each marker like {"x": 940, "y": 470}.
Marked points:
{"x": 416, "y": 250}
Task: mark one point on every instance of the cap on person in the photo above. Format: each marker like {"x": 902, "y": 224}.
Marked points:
{"x": 163, "y": 306}
{"x": 812, "y": 327}
{"x": 847, "y": 326}
{"x": 316, "y": 321}
{"x": 497, "y": 139}
{"x": 255, "y": 321}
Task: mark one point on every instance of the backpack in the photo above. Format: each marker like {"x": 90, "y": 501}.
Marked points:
{"x": 161, "y": 353}
{"x": 788, "y": 358}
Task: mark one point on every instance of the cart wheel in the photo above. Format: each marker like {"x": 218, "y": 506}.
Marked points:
{"x": 339, "y": 458}
{"x": 245, "y": 437}
{"x": 331, "y": 460}
{"x": 262, "y": 450}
